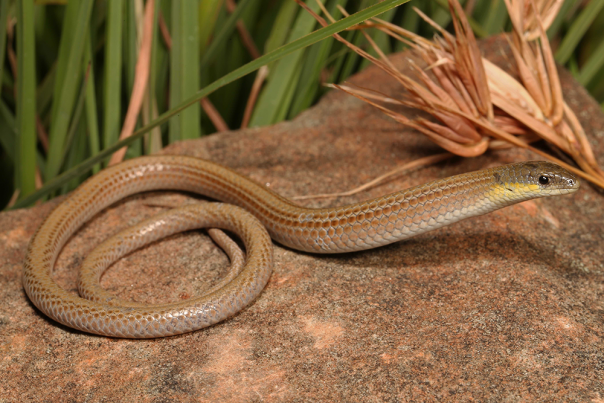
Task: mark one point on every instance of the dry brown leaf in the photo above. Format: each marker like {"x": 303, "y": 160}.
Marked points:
{"x": 465, "y": 88}
{"x": 246, "y": 38}
{"x": 254, "y": 92}
{"x": 141, "y": 77}
{"x": 215, "y": 117}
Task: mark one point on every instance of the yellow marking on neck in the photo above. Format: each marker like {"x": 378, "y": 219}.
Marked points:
{"x": 500, "y": 191}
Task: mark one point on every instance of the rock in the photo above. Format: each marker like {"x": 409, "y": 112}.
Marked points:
{"x": 502, "y": 307}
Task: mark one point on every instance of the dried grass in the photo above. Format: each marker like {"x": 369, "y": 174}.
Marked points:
{"x": 477, "y": 105}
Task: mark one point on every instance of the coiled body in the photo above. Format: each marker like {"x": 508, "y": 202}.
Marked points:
{"x": 355, "y": 227}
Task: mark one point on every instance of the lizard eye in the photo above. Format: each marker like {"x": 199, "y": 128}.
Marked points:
{"x": 544, "y": 180}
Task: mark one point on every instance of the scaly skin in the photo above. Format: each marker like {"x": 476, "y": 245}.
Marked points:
{"x": 349, "y": 228}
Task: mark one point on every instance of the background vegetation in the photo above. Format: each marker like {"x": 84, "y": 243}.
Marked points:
{"x": 68, "y": 71}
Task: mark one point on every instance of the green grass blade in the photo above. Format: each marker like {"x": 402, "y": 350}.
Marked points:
{"x": 577, "y": 30}
{"x": 162, "y": 80}
{"x": 184, "y": 68}
{"x": 208, "y": 14}
{"x": 3, "y": 20}
{"x": 573, "y": 66}
{"x": 227, "y": 29}
{"x": 92, "y": 120}
{"x": 25, "y": 168}
{"x": 45, "y": 91}
{"x": 8, "y": 134}
{"x": 129, "y": 46}
{"x": 301, "y": 43}
{"x": 439, "y": 12}
{"x": 67, "y": 85}
{"x": 496, "y": 17}
{"x": 411, "y": 19}
{"x": 76, "y": 152}
{"x": 229, "y": 99}
{"x": 8, "y": 130}
{"x": 162, "y": 89}
{"x": 281, "y": 26}
{"x": 340, "y": 56}
{"x": 309, "y": 82}
{"x": 75, "y": 124}
{"x": 153, "y": 142}
{"x": 46, "y": 34}
{"x": 112, "y": 121}
{"x": 175, "y": 68}
{"x": 597, "y": 89}
{"x": 592, "y": 66}
{"x": 316, "y": 59}
{"x": 259, "y": 17}
{"x": 352, "y": 58}
{"x": 563, "y": 15}
{"x": 69, "y": 21}
{"x": 130, "y": 51}
{"x": 276, "y": 96}
{"x": 289, "y": 93}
